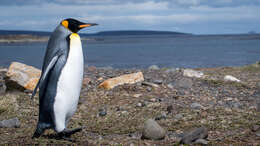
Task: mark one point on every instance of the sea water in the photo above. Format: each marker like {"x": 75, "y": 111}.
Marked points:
{"x": 186, "y": 51}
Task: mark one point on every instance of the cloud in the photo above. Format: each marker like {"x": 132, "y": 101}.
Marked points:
{"x": 182, "y": 15}
{"x": 176, "y": 3}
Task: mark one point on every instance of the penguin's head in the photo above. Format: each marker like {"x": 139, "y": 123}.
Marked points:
{"x": 74, "y": 25}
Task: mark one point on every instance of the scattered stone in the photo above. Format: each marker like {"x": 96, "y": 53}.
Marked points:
{"x": 198, "y": 133}
{"x": 236, "y": 105}
{"x": 192, "y": 73}
{"x": 196, "y": 105}
{"x": 139, "y": 104}
{"x": 11, "y": 123}
{"x": 22, "y": 75}
{"x": 150, "y": 84}
{"x": 171, "y": 70}
{"x": 106, "y": 68}
{"x": 2, "y": 87}
{"x": 201, "y": 141}
{"x": 92, "y": 68}
{"x": 152, "y": 130}
{"x": 231, "y": 78}
{"x": 86, "y": 81}
{"x": 257, "y": 134}
{"x": 256, "y": 128}
{"x": 170, "y": 86}
{"x": 258, "y": 84}
{"x": 149, "y": 89}
{"x": 185, "y": 83}
{"x": 153, "y": 67}
{"x": 178, "y": 116}
{"x": 100, "y": 79}
{"x": 153, "y": 100}
{"x": 102, "y": 112}
{"x": 158, "y": 81}
{"x": 258, "y": 106}
{"x": 169, "y": 109}
{"x": 160, "y": 117}
{"x": 137, "y": 95}
{"x": 124, "y": 79}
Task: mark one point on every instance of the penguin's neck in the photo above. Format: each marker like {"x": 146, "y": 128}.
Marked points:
{"x": 62, "y": 30}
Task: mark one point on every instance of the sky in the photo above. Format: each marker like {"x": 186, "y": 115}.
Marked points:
{"x": 190, "y": 16}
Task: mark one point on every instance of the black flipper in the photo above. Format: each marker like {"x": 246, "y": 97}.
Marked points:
{"x": 45, "y": 73}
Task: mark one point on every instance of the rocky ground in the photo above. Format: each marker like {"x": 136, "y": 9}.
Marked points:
{"x": 208, "y": 108}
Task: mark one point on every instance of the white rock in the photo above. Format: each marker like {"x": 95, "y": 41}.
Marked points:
{"x": 153, "y": 67}
{"x": 192, "y": 73}
{"x": 231, "y": 78}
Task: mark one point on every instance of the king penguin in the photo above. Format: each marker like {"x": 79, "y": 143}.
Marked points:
{"x": 61, "y": 79}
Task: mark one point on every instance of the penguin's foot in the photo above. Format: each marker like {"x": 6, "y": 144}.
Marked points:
{"x": 66, "y": 133}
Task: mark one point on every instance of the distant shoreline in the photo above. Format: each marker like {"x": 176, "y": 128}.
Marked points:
{"x": 31, "y": 37}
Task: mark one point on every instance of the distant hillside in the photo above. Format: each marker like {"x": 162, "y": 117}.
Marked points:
{"x": 137, "y": 32}
{"x": 102, "y": 33}
{"x": 23, "y": 32}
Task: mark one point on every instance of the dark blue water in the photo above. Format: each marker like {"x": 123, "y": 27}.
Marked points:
{"x": 143, "y": 51}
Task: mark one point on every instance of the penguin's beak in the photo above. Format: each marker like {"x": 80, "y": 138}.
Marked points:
{"x": 87, "y": 25}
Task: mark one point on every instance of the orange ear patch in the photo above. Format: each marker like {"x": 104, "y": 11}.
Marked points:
{"x": 65, "y": 23}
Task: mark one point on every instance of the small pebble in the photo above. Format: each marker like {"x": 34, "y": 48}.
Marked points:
{"x": 139, "y": 104}
{"x": 196, "y": 105}
{"x": 169, "y": 109}
{"x": 158, "y": 81}
{"x": 102, "y": 112}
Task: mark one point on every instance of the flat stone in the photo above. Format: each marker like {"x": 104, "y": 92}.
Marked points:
{"x": 120, "y": 80}
{"x": 10, "y": 123}
{"x": 152, "y": 130}
{"x": 201, "y": 141}
{"x": 158, "y": 81}
{"x": 198, "y": 133}
{"x": 150, "y": 84}
{"x": 196, "y": 105}
{"x": 106, "y": 68}
{"x": 192, "y": 73}
{"x": 178, "y": 116}
{"x": 171, "y": 70}
{"x": 256, "y": 128}
{"x": 185, "y": 83}
{"x": 22, "y": 75}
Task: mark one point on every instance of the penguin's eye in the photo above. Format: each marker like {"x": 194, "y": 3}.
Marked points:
{"x": 65, "y": 23}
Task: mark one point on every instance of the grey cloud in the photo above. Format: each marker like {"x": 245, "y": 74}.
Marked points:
{"x": 181, "y": 3}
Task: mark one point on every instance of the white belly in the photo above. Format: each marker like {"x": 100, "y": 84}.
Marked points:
{"x": 69, "y": 86}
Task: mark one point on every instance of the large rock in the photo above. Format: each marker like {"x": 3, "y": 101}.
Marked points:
{"x": 192, "y": 73}
{"x": 124, "y": 79}
{"x": 11, "y": 123}
{"x": 199, "y": 133}
{"x": 22, "y": 75}
{"x": 152, "y": 130}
